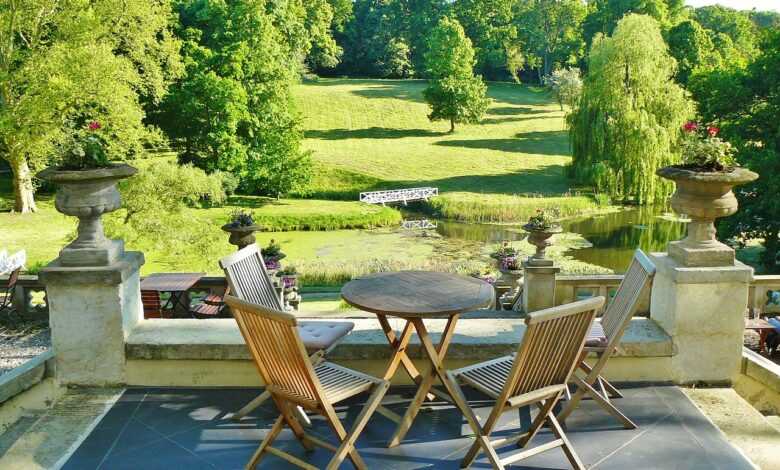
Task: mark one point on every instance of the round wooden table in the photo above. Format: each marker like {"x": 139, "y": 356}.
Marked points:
{"x": 414, "y": 296}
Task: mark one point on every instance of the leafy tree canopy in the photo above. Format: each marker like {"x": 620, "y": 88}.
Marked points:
{"x": 745, "y": 103}
{"x": 241, "y": 56}
{"x": 64, "y": 63}
{"x": 628, "y": 121}
{"x": 691, "y": 46}
{"x": 604, "y": 15}
{"x": 454, "y": 93}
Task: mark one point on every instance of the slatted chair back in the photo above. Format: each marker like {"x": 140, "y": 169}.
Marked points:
{"x": 248, "y": 279}
{"x": 551, "y": 345}
{"x": 150, "y": 299}
{"x": 623, "y": 306}
{"x": 278, "y": 352}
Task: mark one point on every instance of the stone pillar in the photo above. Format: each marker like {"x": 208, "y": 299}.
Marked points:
{"x": 91, "y": 311}
{"x": 539, "y": 284}
{"x": 703, "y": 310}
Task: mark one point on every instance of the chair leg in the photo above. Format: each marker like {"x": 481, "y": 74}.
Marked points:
{"x": 269, "y": 439}
{"x": 289, "y": 418}
{"x": 614, "y": 392}
{"x": 348, "y": 443}
{"x": 582, "y": 388}
{"x": 574, "y": 459}
{"x": 460, "y": 401}
{"x": 544, "y": 410}
{"x": 251, "y": 406}
{"x": 471, "y": 455}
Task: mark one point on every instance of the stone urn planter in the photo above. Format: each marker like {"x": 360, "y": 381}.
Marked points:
{"x": 540, "y": 238}
{"x": 241, "y": 236}
{"x": 88, "y": 194}
{"x": 704, "y": 197}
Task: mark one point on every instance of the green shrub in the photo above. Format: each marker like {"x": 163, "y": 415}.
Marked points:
{"x": 505, "y": 209}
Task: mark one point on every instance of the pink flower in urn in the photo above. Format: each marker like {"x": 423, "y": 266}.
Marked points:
{"x": 94, "y": 125}
{"x": 713, "y": 131}
{"x": 690, "y": 126}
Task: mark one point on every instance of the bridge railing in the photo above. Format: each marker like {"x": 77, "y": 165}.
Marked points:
{"x": 398, "y": 195}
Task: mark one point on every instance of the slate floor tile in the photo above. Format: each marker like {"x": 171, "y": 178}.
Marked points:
{"x": 189, "y": 428}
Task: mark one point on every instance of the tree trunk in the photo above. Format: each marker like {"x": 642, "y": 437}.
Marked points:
{"x": 770, "y": 252}
{"x": 452, "y": 125}
{"x": 24, "y": 195}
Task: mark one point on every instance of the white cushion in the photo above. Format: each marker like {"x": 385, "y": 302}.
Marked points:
{"x": 318, "y": 335}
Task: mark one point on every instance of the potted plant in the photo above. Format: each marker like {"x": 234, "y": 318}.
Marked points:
{"x": 87, "y": 188}
{"x": 541, "y": 227}
{"x": 272, "y": 254}
{"x": 504, "y": 250}
{"x": 289, "y": 277}
{"x": 241, "y": 227}
{"x": 704, "y": 181}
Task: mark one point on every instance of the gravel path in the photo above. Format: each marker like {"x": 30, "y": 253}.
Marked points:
{"x": 16, "y": 349}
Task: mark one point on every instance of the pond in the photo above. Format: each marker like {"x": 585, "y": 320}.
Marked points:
{"x": 612, "y": 238}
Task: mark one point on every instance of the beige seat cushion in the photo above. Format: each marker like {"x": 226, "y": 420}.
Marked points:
{"x": 318, "y": 335}
{"x": 596, "y": 337}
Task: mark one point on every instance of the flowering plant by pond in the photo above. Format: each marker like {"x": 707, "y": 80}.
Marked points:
{"x": 542, "y": 220}
{"x": 241, "y": 218}
{"x": 703, "y": 150}
{"x": 84, "y": 148}
{"x": 511, "y": 263}
{"x": 505, "y": 250}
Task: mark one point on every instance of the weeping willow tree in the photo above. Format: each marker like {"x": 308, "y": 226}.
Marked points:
{"x": 629, "y": 118}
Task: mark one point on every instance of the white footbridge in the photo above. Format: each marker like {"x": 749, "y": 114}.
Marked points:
{"x": 398, "y": 195}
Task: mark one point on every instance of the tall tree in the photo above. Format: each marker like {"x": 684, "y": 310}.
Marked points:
{"x": 552, "y": 31}
{"x": 454, "y": 93}
{"x": 732, "y": 32}
{"x": 628, "y": 121}
{"x": 65, "y": 61}
{"x": 604, "y": 15}
{"x": 242, "y": 56}
{"x": 488, "y": 24}
{"x": 691, "y": 46}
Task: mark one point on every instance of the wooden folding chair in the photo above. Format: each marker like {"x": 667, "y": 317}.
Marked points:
{"x": 248, "y": 280}
{"x": 7, "y": 290}
{"x": 605, "y": 337}
{"x": 292, "y": 380}
{"x": 536, "y": 374}
{"x": 153, "y": 307}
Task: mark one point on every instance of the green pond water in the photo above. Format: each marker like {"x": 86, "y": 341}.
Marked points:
{"x": 612, "y": 238}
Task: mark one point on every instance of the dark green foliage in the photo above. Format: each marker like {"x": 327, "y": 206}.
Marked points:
{"x": 488, "y": 24}
{"x": 454, "y": 93}
{"x": 241, "y": 59}
{"x": 386, "y": 38}
{"x": 551, "y": 32}
{"x": 690, "y": 44}
{"x": 746, "y": 105}
{"x": 604, "y": 15}
{"x": 733, "y": 33}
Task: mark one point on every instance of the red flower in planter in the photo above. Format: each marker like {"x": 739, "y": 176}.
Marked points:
{"x": 713, "y": 131}
{"x": 94, "y": 125}
{"x": 690, "y": 126}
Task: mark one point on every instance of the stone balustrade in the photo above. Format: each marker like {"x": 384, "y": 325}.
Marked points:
{"x": 30, "y": 296}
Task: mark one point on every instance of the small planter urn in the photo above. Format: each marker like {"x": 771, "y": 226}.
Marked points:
{"x": 241, "y": 236}
{"x": 540, "y": 238}
{"x": 704, "y": 197}
{"x": 88, "y": 194}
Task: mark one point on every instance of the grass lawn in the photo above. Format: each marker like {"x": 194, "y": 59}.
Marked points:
{"x": 375, "y": 134}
